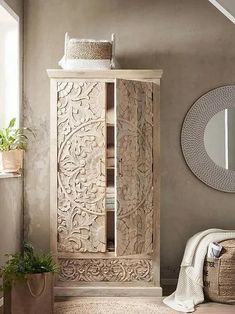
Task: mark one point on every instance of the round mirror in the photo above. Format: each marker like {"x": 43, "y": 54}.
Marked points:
{"x": 219, "y": 138}
{"x": 208, "y": 138}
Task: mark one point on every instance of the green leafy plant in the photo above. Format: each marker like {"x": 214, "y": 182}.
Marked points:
{"x": 28, "y": 262}
{"x": 13, "y": 138}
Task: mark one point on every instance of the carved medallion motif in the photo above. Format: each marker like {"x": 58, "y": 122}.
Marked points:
{"x": 81, "y": 166}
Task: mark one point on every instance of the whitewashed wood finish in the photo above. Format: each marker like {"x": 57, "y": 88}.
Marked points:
{"x": 108, "y": 291}
{"x": 105, "y": 270}
{"x": 53, "y": 167}
{"x": 81, "y": 166}
{"x": 111, "y": 288}
{"x": 156, "y": 184}
{"x": 152, "y": 75}
{"x": 134, "y": 180}
{"x": 106, "y": 254}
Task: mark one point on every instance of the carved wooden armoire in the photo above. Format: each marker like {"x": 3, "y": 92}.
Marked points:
{"x": 105, "y": 182}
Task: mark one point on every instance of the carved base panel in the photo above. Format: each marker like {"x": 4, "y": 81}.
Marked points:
{"x": 105, "y": 270}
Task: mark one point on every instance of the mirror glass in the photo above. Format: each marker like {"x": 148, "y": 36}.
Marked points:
{"x": 219, "y": 138}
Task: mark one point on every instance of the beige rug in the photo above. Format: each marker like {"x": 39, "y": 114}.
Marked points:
{"x": 94, "y": 306}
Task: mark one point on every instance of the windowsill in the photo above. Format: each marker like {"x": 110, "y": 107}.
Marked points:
{"x": 6, "y": 175}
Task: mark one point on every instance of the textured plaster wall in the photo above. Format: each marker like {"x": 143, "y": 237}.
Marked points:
{"x": 191, "y": 41}
{"x": 11, "y": 222}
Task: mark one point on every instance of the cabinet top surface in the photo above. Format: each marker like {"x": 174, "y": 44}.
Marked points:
{"x": 106, "y": 74}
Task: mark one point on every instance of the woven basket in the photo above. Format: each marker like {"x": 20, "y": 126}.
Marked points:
{"x": 88, "y": 54}
{"x": 219, "y": 275}
{"x": 89, "y": 50}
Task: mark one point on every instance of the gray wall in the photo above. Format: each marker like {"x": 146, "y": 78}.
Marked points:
{"x": 11, "y": 222}
{"x": 191, "y": 41}
{"x": 11, "y": 193}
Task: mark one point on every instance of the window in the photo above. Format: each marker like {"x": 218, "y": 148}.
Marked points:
{"x": 9, "y": 65}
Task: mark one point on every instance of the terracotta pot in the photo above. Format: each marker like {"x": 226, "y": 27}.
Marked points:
{"x": 11, "y": 161}
{"x": 33, "y": 296}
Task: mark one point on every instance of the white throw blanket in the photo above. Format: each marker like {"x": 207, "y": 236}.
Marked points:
{"x": 189, "y": 291}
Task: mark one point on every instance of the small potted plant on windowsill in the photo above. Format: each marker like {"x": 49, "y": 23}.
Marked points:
{"x": 13, "y": 143}
{"x": 28, "y": 281}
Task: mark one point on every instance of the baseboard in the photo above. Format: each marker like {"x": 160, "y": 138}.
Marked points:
{"x": 1, "y": 301}
{"x": 108, "y": 291}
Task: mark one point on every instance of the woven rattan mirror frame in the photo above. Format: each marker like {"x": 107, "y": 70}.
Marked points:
{"x": 192, "y": 138}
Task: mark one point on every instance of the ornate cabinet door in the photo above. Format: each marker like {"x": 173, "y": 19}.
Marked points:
{"x": 81, "y": 151}
{"x": 134, "y": 164}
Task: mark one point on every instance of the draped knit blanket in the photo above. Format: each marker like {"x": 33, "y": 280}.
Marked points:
{"x": 189, "y": 291}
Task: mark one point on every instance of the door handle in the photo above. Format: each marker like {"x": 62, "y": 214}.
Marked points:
{"x": 120, "y": 168}
{"x": 101, "y": 166}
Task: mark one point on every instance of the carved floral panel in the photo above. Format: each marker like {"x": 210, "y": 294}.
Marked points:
{"x": 105, "y": 270}
{"x": 81, "y": 166}
{"x": 134, "y": 167}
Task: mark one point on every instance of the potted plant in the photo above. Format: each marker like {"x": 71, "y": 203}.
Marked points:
{"x": 28, "y": 281}
{"x": 13, "y": 143}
